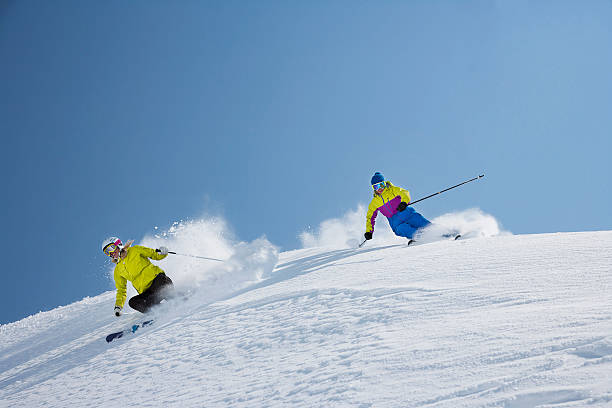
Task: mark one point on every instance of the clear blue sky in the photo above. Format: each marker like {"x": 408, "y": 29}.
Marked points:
{"x": 120, "y": 116}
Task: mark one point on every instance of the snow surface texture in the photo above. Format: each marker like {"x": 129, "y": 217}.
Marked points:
{"x": 503, "y": 321}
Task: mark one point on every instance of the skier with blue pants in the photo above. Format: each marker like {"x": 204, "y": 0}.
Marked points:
{"x": 392, "y": 201}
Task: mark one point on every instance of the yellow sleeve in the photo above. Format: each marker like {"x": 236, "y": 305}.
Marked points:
{"x": 121, "y": 285}
{"x": 149, "y": 253}
{"x": 371, "y": 215}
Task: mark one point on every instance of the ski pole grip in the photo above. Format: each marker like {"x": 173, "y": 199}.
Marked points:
{"x": 170, "y": 252}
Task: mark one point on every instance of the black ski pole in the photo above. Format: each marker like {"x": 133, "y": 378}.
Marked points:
{"x": 364, "y": 241}
{"x": 450, "y": 188}
{"x": 194, "y": 256}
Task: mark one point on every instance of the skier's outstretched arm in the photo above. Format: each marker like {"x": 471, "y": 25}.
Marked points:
{"x": 152, "y": 253}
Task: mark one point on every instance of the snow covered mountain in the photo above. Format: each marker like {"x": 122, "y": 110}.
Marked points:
{"x": 503, "y": 321}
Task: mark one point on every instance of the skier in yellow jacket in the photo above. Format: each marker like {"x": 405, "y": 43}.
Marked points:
{"x": 393, "y": 202}
{"x": 133, "y": 264}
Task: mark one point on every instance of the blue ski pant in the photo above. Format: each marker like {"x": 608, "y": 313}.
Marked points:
{"x": 407, "y": 222}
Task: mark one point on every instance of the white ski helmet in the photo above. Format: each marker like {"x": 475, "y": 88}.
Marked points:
{"x": 111, "y": 241}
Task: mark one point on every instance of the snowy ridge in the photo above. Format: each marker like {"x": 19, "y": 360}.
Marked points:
{"x": 501, "y": 321}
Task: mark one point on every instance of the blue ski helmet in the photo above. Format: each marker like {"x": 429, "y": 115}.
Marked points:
{"x": 377, "y": 178}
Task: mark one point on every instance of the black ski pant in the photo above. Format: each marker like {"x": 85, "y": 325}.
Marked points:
{"x": 161, "y": 288}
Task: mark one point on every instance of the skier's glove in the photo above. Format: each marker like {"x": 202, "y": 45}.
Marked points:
{"x": 163, "y": 250}
{"x": 367, "y": 235}
{"x": 402, "y": 206}
{"x": 117, "y": 311}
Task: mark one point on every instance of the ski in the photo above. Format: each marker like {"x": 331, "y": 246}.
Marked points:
{"x": 132, "y": 329}
{"x": 454, "y": 237}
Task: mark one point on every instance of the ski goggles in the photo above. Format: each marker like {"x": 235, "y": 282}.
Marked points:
{"x": 110, "y": 248}
{"x": 378, "y": 186}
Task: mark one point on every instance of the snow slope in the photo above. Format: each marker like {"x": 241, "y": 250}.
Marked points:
{"x": 505, "y": 321}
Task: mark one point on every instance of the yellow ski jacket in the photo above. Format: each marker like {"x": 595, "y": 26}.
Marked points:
{"x": 386, "y": 203}
{"x": 136, "y": 268}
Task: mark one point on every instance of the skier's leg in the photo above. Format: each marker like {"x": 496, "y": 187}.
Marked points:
{"x": 140, "y": 302}
{"x": 417, "y": 220}
{"x": 400, "y": 225}
{"x": 164, "y": 288}
{"x": 161, "y": 288}
{"x": 405, "y": 230}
